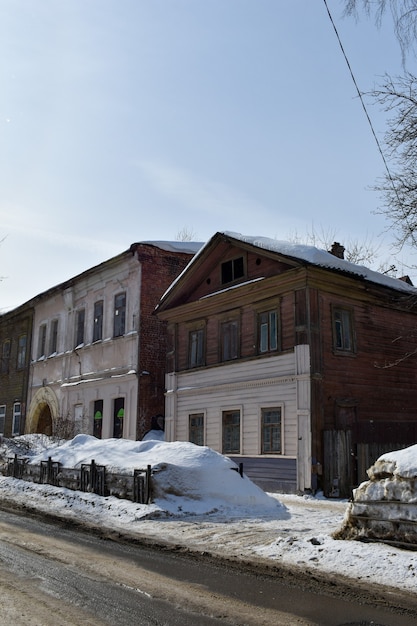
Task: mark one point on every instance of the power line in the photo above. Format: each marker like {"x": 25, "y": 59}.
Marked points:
{"x": 363, "y": 104}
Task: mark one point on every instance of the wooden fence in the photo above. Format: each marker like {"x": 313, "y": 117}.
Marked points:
{"x": 90, "y": 478}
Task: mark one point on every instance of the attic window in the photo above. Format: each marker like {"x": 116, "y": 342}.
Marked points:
{"x": 232, "y": 270}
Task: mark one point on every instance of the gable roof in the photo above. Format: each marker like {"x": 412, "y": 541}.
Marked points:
{"x": 308, "y": 255}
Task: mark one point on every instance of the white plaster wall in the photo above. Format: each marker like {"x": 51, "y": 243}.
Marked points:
{"x": 102, "y": 370}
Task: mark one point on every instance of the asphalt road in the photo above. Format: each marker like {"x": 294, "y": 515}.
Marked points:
{"x": 62, "y": 576}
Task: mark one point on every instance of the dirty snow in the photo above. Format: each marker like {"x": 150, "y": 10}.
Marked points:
{"x": 213, "y": 509}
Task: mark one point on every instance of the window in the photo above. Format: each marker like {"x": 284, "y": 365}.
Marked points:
{"x": 78, "y": 419}
{"x": 232, "y": 270}
{"x": 118, "y": 417}
{"x": 5, "y": 356}
{"x": 271, "y": 431}
{"x": 196, "y": 428}
{"x": 196, "y": 340}
{"x": 21, "y": 352}
{"x": 16, "y": 418}
{"x": 231, "y": 432}
{"x": 53, "y": 339}
{"x": 268, "y": 331}
{"x": 98, "y": 321}
{"x": 230, "y": 340}
{"x": 343, "y": 330}
{"x": 79, "y": 328}
{"x": 2, "y": 418}
{"x": 41, "y": 341}
{"x": 119, "y": 315}
{"x": 98, "y": 419}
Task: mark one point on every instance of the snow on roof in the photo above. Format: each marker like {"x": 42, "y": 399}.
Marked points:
{"x": 321, "y": 258}
{"x": 189, "y": 247}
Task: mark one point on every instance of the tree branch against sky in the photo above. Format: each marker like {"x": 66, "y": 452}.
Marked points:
{"x": 397, "y": 96}
{"x": 404, "y": 15}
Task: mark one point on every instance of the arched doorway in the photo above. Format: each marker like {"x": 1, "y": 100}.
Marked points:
{"x": 43, "y": 412}
{"x": 45, "y": 421}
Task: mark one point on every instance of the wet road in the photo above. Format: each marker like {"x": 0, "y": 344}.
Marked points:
{"x": 66, "y": 577}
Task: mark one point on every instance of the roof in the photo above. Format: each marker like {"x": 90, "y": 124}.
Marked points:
{"x": 322, "y": 258}
{"x": 189, "y": 247}
{"x": 306, "y": 254}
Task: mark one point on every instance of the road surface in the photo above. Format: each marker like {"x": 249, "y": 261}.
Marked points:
{"x": 52, "y": 575}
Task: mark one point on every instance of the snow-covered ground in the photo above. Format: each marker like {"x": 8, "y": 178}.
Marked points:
{"x": 200, "y": 503}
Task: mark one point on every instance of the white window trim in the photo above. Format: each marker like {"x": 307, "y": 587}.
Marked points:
{"x": 271, "y": 405}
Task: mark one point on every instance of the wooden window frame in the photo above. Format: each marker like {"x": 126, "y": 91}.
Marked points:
{"x": 98, "y": 315}
{"x": 263, "y": 450}
{"x": 80, "y": 328}
{"x": 270, "y": 347}
{"x": 232, "y": 429}
{"x": 17, "y": 423}
{"x": 119, "y": 317}
{"x": 21, "y": 351}
{"x": 197, "y": 430}
{"x": 196, "y": 352}
{"x": 6, "y": 351}
{"x": 230, "y": 339}
{"x": 42, "y": 341}
{"x": 3, "y": 409}
{"x": 344, "y": 343}
{"x": 232, "y": 270}
{"x": 53, "y": 337}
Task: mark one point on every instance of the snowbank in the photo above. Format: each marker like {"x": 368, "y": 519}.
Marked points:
{"x": 185, "y": 478}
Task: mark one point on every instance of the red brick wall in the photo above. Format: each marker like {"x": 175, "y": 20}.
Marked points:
{"x": 159, "y": 269}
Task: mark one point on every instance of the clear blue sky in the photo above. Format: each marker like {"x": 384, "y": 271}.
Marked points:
{"x": 130, "y": 120}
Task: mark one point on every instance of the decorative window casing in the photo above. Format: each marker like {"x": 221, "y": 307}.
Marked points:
{"x": 271, "y": 430}
{"x": 232, "y": 270}
{"x": 21, "y": 352}
{"x": 196, "y": 428}
{"x": 231, "y": 432}
{"x": 119, "y": 325}
{"x": 98, "y": 321}
{"x": 343, "y": 330}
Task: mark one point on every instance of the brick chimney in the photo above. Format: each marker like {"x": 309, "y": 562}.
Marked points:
{"x": 337, "y": 250}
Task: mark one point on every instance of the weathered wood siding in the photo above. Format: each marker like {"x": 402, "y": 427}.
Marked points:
{"x": 276, "y": 475}
{"x": 248, "y": 386}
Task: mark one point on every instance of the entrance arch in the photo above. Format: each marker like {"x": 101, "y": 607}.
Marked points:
{"x": 43, "y": 412}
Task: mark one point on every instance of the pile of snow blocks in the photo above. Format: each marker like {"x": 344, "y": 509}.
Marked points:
{"x": 384, "y": 508}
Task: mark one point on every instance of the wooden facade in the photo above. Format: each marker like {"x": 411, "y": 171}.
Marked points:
{"x": 338, "y": 374}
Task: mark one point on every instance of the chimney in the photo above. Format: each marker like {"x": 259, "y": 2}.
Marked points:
{"x": 338, "y": 250}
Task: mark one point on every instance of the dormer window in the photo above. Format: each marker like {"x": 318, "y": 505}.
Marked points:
{"x": 232, "y": 270}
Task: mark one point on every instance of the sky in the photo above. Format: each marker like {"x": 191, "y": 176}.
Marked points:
{"x": 200, "y": 503}
{"x": 136, "y": 120}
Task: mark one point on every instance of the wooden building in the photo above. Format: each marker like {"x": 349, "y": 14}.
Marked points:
{"x": 291, "y": 360}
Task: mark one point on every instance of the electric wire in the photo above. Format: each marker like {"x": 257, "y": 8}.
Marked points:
{"x": 390, "y": 178}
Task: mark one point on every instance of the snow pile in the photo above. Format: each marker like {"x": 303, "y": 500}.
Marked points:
{"x": 297, "y": 532}
{"x": 385, "y": 507}
{"x": 185, "y": 478}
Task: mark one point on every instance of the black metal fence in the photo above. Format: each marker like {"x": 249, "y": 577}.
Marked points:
{"x": 90, "y": 478}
